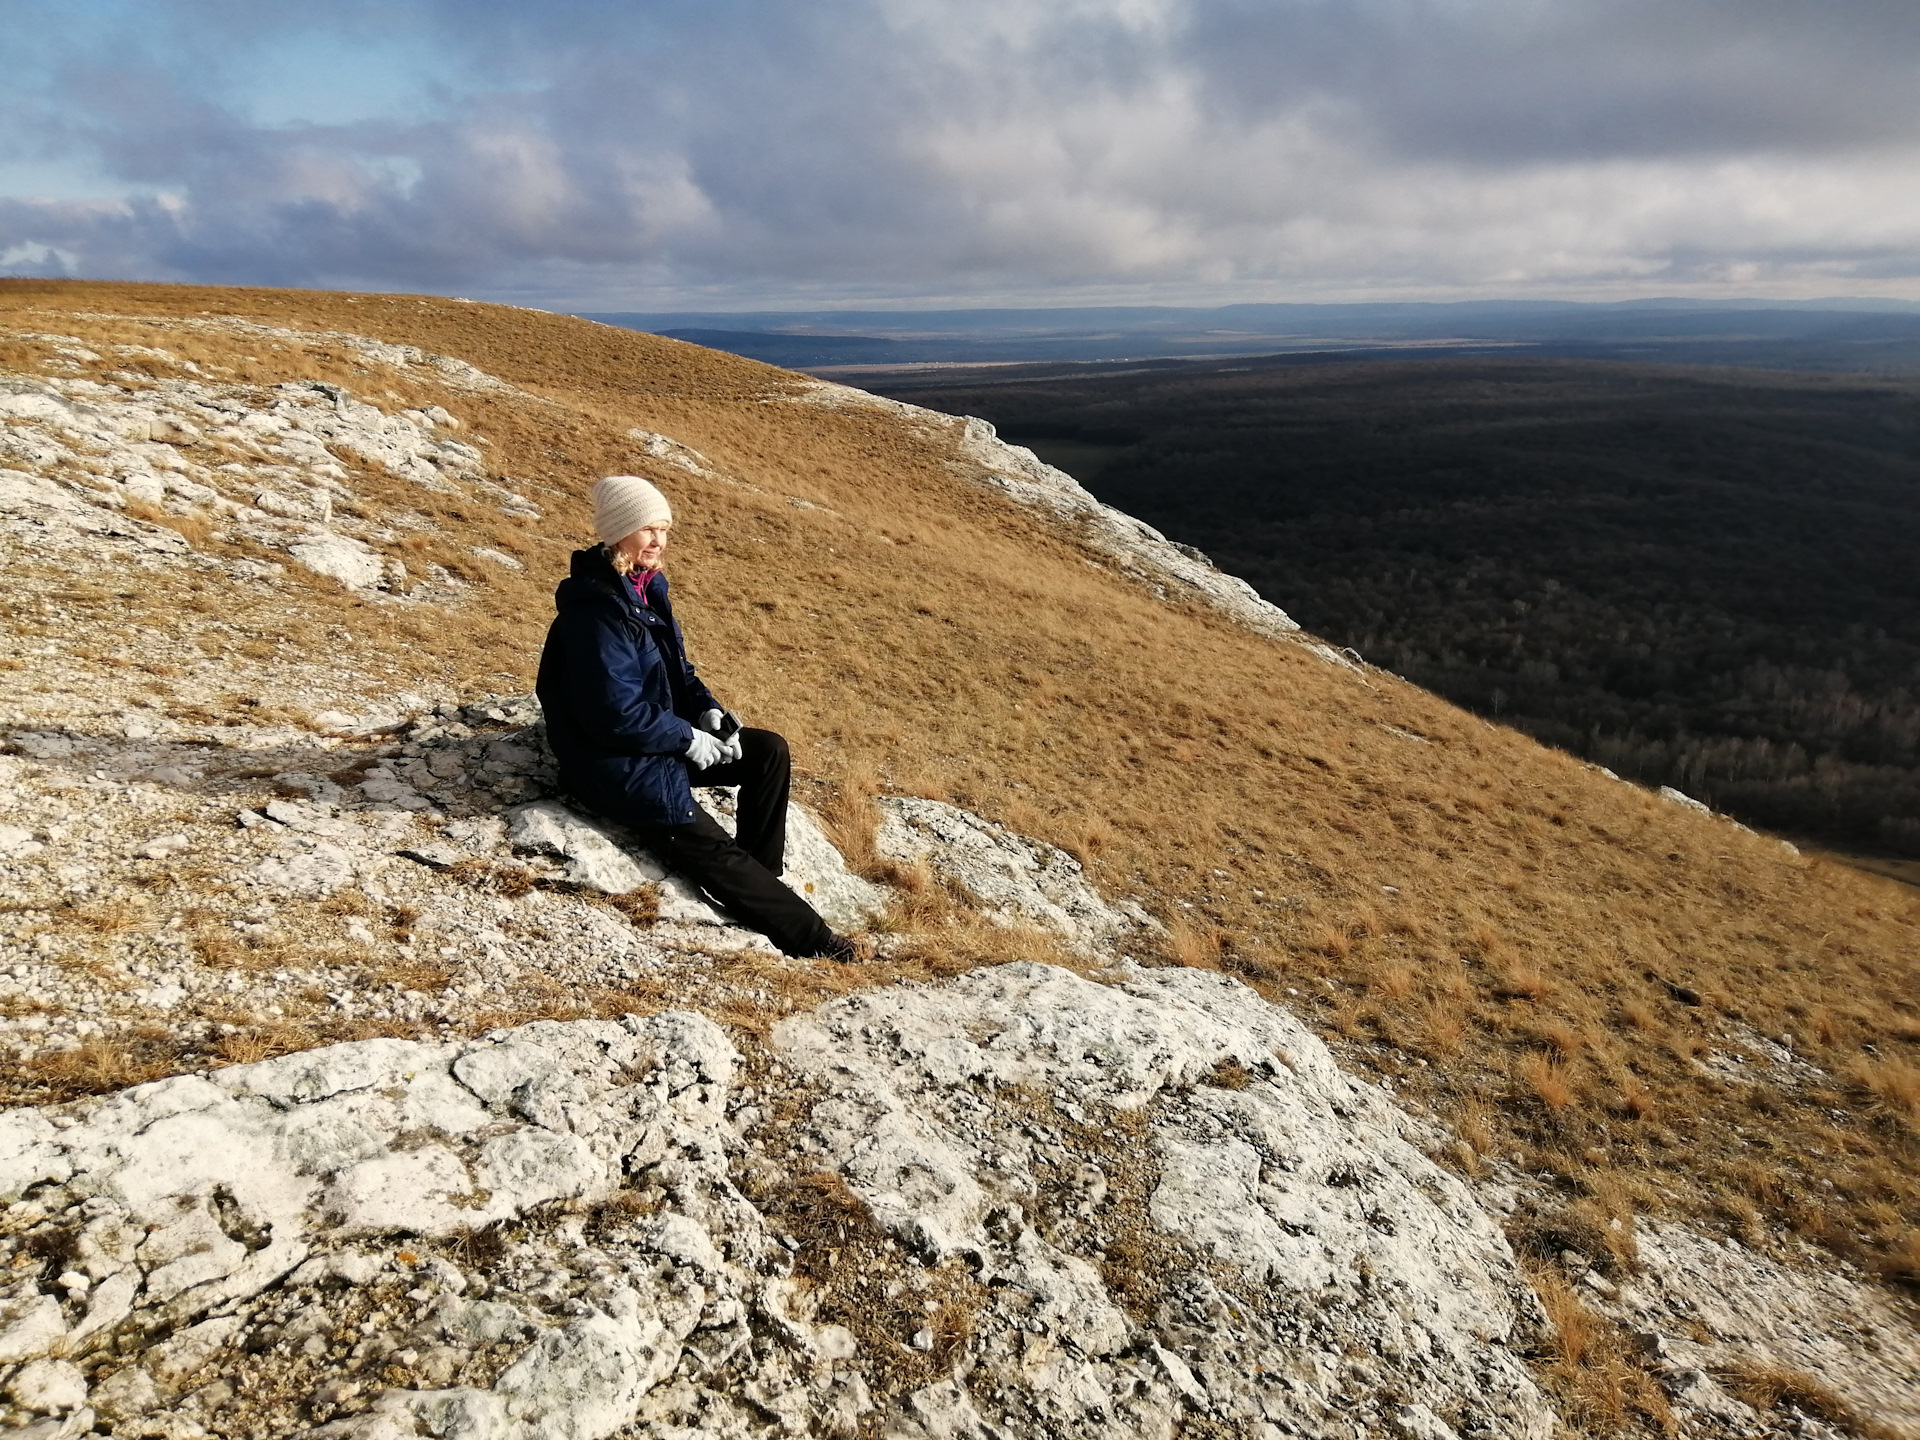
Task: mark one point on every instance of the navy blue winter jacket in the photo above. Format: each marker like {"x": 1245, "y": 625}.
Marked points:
{"x": 619, "y": 691}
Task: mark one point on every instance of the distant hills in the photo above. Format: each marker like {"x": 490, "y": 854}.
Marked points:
{"x": 1833, "y": 334}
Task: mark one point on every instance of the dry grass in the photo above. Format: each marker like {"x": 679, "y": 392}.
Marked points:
{"x": 221, "y": 949}
{"x": 1535, "y": 898}
{"x": 1547, "y": 1077}
{"x": 194, "y": 526}
{"x": 1894, "y": 1084}
{"x": 1769, "y": 1388}
{"x": 1593, "y": 1368}
{"x": 113, "y": 915}
{"x": 96, "y": 1066}
{"x": 511, "y": 881}
{"x": 1197, "y": 947}
{"x": 851, "y": 819}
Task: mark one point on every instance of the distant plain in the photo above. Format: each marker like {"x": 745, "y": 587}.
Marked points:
{"x": 1877, "y": 336}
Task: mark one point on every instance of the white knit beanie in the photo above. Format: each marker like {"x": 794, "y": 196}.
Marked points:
{"x": 623, "y": 504}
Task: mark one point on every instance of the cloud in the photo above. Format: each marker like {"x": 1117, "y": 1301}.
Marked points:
{"x": 707, "y": 152}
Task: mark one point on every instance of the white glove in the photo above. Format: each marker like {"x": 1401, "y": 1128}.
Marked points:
{"x": 730, "y": 748}
{"x": 703, "y": 750}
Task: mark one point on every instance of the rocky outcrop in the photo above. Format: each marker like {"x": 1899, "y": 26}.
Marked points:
{"x": 580, "y": 1229}
{"x": 280, "y": 1242}
{"x": 1137, "y": 545}
{"x": 1710, "y": 1309}
{"x": 1012, "y": 879}
{"x": 1180, "y": 1203}
{"x": 77, "y": 453}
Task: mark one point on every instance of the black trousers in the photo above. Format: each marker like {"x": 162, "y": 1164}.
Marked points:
{"x": 741, "y": 874}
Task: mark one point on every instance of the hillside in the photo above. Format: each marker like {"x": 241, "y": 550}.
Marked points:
{"x": 1636, "y": 1023}
{"x": 1696, "y": 578}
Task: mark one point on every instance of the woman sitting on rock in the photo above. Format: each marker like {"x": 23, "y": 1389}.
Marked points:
{"x": 633, "y": 727}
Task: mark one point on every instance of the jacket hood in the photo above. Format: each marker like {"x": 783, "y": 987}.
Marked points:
{"x": 593, "y": 565}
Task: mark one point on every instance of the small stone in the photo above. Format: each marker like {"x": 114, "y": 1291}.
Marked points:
{"x": 163, "y": 846}
{"x": 332, "y": 1394}
{"x": 923, "y": 1339}
{"x": 387, "y": 790}
{"x": 435, "y": 856}
{"x": 321, "y": 872}
{"x": 17, "y": 844}
{"x": 438, "y": 1366}
{"x": 288, "y": 813}
{"x": 126, "y": 1393}
{"x": 48, "y": 1387}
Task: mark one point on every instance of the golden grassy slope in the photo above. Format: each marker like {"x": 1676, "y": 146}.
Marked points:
{"x": 1491, "y": 924}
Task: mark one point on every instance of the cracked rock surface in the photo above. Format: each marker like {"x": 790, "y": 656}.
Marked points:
{"x": 548, "y": 1231}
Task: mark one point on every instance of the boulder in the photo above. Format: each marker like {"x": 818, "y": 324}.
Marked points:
{"x": 340, "y": 556}
{"x": 603, "y": 856}
{"x": 1015, "y": 880}
{"x": 815, "y": 868}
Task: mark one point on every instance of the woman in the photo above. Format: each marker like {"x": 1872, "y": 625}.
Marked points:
{"x": 634, "y": 727}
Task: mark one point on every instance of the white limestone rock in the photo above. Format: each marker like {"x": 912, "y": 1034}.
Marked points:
{"x": 17, "y": 843}
{"x": 1681, "y": 798}
{"x": 1017, "y": 880}
{"x": 1342, "y": 1231}
{"x": 601, "y": 856}
{"x": 207, "y": 1197}
{"x": 1027, "y": 478}
{"x": 320, "y": 870}
{"x": 342, "y": 558}
{"x": 1714, "y": 1304}
{"x": 1021, "y": 475}
{"x": 1304, "y": 1266}
{"x": 594, "y": 857}
{"x": 49, "y": 511}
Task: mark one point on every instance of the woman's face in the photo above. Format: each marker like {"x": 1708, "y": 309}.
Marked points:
{"x": 644, "y": 547}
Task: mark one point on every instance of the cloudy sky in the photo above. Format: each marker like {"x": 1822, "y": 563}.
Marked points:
{"x": 735, "y": 154}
